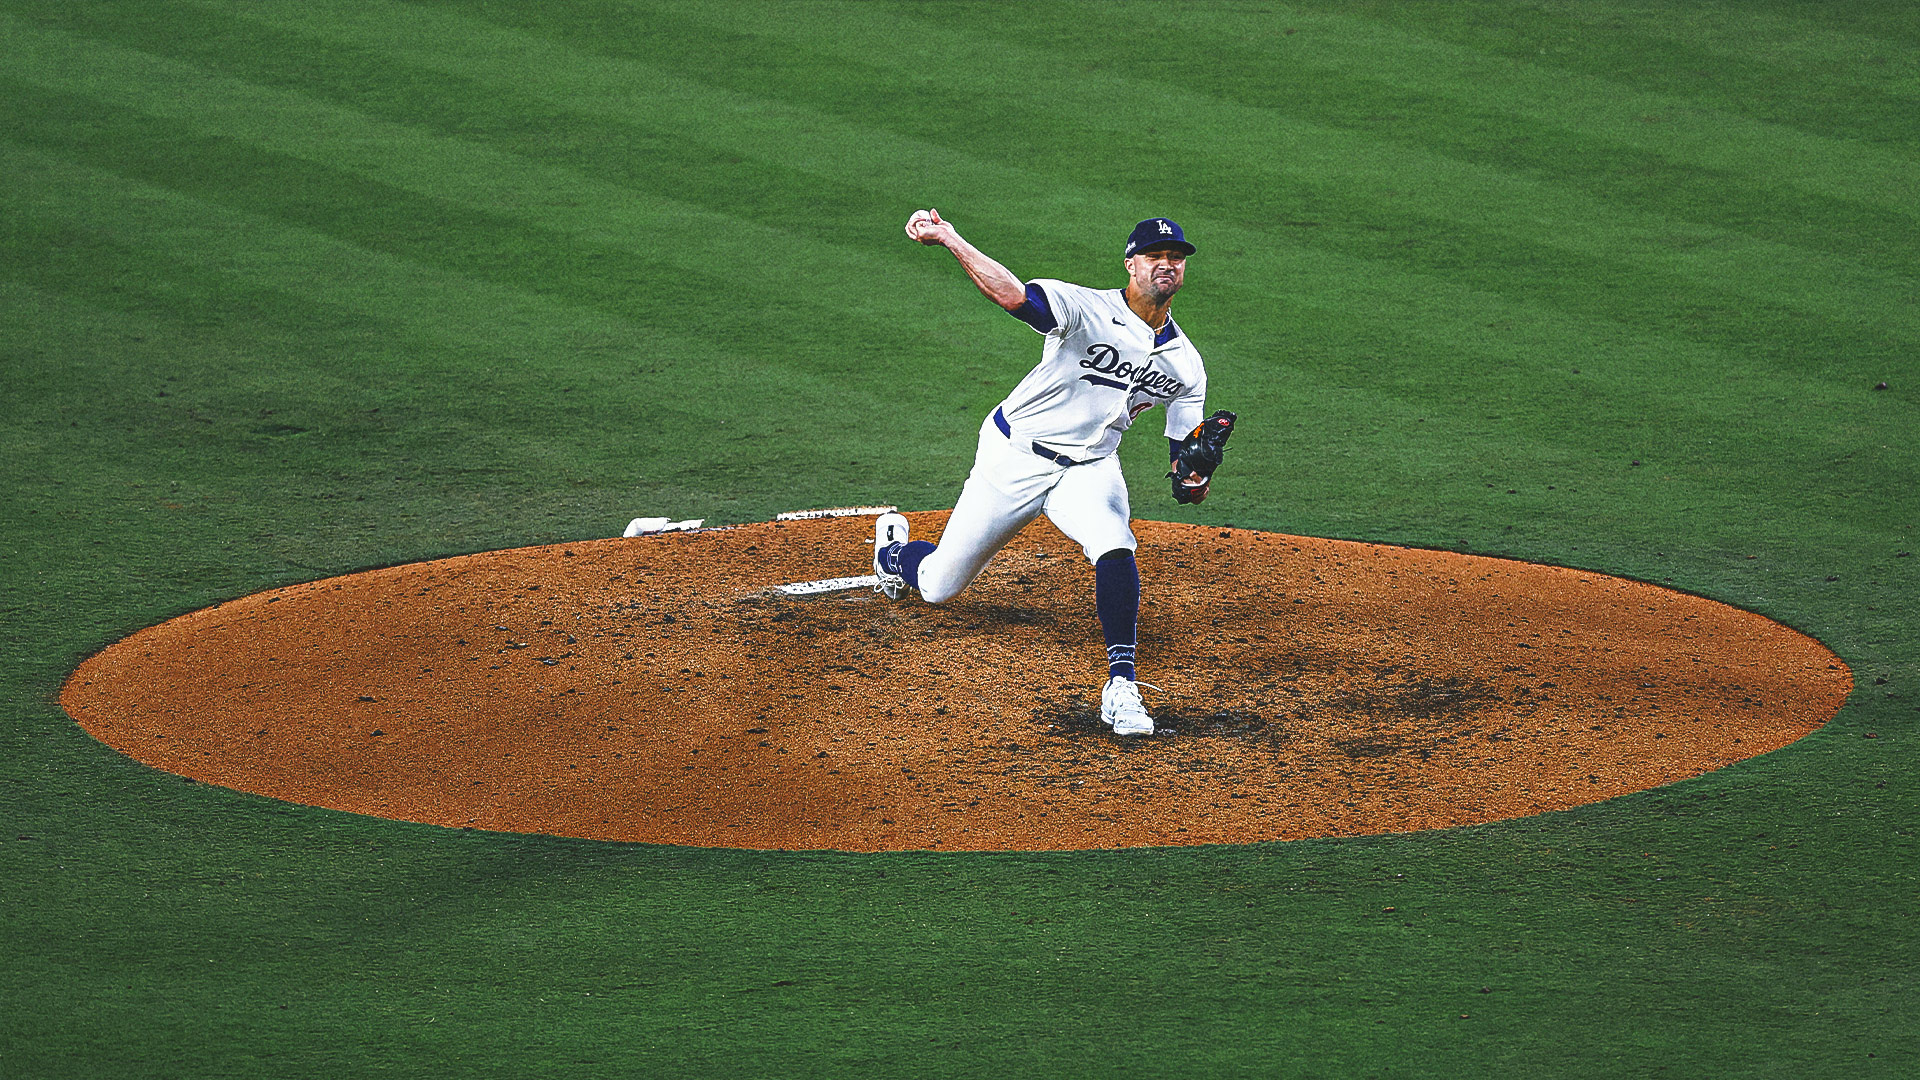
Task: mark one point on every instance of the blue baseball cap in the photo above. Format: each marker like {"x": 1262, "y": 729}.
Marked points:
{"x": 1157, "y": 233}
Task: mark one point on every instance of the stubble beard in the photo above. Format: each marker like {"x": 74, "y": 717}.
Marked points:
{"x": 1160, "y": 289}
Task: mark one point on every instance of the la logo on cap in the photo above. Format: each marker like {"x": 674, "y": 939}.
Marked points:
{"x": 1158, "y": 233}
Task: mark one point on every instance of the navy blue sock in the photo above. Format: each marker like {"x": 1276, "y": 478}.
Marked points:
{"x": 1116, "y": 595}
{"x": 906, "y": 560}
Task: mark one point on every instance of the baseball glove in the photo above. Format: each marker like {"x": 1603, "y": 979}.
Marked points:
{"x": 1196, "y": 456}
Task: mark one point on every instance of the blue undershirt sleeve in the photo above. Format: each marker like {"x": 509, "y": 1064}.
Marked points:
{"x": 1036, "y": 312}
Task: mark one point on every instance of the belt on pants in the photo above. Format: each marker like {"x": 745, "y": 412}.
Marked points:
{"x": 1000, "y": 421}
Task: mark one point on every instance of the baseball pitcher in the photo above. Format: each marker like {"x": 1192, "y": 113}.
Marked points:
{"x": 1049, "y": 446}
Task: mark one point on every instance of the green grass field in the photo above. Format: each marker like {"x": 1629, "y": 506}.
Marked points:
{"x": 290, "y": 290}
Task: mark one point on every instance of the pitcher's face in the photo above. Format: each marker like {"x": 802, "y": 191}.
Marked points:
{"x": 1157, "y": 274}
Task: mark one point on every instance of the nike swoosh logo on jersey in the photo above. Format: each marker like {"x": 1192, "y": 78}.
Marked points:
{"x": 1117, "y": 322}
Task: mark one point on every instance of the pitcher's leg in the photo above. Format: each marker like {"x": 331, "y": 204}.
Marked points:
{"x": 1116, "y": 599}
{"x": 1089, "y": 504}
{"x": 1006, "y": 490}
{"x": 983, "y": 521}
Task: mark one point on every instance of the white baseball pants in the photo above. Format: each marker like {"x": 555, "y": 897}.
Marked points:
{"x": 1008, "y": 488}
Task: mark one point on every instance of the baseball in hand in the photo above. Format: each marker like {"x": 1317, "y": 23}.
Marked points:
{"x": 921, "y": 226}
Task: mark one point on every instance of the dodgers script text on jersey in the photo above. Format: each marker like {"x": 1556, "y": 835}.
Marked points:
{"x": 1100, "y": 368}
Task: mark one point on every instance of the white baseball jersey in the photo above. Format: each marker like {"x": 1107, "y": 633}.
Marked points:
{"x": 1099, "y": 370}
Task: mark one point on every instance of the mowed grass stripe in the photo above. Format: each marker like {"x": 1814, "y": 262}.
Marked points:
{"x": 625, "y": 123}
{"x": 1852, "y": 72}
{"x": 149, "y": 460}
{"x": 600, "y": 84}
{"x": 292, "y": 470}
{"x": 627, "y": 118}
{"x": 1452, "y": 51}
{"x": 1397, "y": 204}
{"x": 419, "y": 316}
{"x": 1369, "y": 171}
{"x": 364, "y": 325}
{"x": 432, "y": 199}
{"x": 1498, "y": 112}
{"x": 327, "y": 158}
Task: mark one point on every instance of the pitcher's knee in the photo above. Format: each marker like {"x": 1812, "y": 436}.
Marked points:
{"x": 943, "y": 581}
{"x": 939, "y": 592}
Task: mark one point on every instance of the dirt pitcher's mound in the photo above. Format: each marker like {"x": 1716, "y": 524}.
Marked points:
{"x": 656, "y": 689}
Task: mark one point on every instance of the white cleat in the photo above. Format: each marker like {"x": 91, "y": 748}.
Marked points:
{"x": 888, "y": 529}
{"x": 1121, "y": 707}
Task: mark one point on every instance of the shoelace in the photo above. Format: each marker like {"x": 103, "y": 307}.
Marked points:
{"x": 1136, "y": 684}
